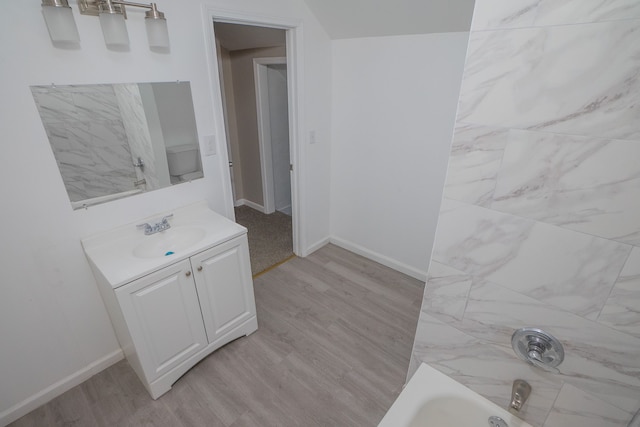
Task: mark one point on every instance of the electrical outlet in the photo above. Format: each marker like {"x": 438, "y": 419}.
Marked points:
{"x": 313, "y": 137}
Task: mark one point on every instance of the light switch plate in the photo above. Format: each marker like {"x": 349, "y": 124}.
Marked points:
{"x": 209, "y": 145}
{"x": 313, "y": 137}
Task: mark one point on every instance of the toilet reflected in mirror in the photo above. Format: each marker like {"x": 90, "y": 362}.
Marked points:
{"x": 184, "y": 163}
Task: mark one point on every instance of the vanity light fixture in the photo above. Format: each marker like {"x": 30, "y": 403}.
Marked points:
{"x": 114, "y": 29}
{"x": 59, "y": 19}
{"x": 112, "y": 14}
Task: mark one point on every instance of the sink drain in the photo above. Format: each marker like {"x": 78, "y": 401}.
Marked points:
{"x": 497, "y": 422}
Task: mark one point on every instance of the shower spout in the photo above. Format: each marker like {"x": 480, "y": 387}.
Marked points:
{"x": 519, "y": 394}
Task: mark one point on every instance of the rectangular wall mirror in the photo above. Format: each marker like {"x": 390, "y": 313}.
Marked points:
{"x": 117, "y": 140}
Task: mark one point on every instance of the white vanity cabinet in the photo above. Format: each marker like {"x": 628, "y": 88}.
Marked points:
{"x": 224, "y": 287}
{"x": 162, "y": 313}
{"x": 169, "y": 312}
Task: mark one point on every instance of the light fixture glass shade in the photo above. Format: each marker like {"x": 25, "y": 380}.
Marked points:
{"x": 157, "y": 33}
{"x": 61, "y": 25}
{"x": 114, "y": 30}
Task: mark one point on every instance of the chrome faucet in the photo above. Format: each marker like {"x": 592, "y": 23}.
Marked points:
{"x": 519, "y": 394}
{"x": 157, "y": 227}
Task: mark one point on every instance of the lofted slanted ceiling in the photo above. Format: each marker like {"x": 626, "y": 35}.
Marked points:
{"x": 343, "y": 19}
{"x": 239, "y": 37}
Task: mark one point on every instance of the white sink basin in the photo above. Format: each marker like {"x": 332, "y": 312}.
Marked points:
{"x": 124, "y": 253}
{"x": 168, "y": 242}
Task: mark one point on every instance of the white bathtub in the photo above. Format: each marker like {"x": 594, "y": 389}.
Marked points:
{"x": 432, "y": 399}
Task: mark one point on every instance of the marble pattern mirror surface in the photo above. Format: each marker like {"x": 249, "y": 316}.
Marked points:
{"x": 114, "y": 140}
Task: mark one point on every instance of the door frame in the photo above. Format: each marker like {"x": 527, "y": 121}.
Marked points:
{"x": 223, "y": 99}
{"x": 295, "y": 85}
{"x": 264, "y": 129}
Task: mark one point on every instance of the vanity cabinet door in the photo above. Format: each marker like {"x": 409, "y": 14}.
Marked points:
{"x": 225, "y": 287}
{"x": 163, "y": 317}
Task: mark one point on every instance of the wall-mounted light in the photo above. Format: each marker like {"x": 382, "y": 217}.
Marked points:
{"x": 112, "y": 14}
{"x": 60, "y": 23}
{"x": 114, "y": 29}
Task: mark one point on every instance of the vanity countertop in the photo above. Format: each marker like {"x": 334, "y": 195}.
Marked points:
{"x": 125, "y": 253}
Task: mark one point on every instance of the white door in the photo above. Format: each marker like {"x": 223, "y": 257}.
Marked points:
{"x": 225, "y": 287}
{"x": 163, "y": 316}
{"x": 279, "y": 129}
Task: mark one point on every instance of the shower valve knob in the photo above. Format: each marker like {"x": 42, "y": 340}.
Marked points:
{"x": 538, "y": 348}
{"x": 535, "y": 355}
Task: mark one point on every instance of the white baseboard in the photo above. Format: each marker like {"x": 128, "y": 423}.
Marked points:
{"x": 23, "y": 408}
{"x": 314, "y": 247}
{"x": 252, "y": 205}
{"x": 379, "y": 258}
{"x": 285, "y": 210}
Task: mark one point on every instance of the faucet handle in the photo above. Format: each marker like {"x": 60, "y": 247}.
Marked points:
{"x": 148, "y": 228}
{"x": 164, "y": 222}
{"x": 160, "y": 226}
{"x": 534, "y": 357}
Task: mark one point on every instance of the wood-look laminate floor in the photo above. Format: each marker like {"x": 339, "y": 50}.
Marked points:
{"x": 332, "y": 349}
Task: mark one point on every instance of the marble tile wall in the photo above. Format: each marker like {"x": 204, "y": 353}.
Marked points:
{"x": 88, "y": 139}
{"x": 540, "y": 221}
{"x": 137, "y": 129}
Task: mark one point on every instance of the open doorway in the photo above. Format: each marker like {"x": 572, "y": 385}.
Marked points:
{"x": 252, "y": 67}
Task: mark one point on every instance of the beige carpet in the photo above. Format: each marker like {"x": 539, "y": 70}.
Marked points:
{"x": 270, "y": 238}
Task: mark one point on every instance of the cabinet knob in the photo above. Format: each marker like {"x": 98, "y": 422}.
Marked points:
{"x": 200, "y": 268}
{"x": 188, "y": 273}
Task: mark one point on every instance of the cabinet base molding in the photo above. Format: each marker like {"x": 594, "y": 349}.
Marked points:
{"x": 164, "y": 383}
{"x": 54, "y": 390}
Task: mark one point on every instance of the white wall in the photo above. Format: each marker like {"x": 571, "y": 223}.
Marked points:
{"x": 393, "y": 109}
{"x": 176, "y": 116}
{"x": 357, "y": 18}
{"x": 53, "y": 325}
